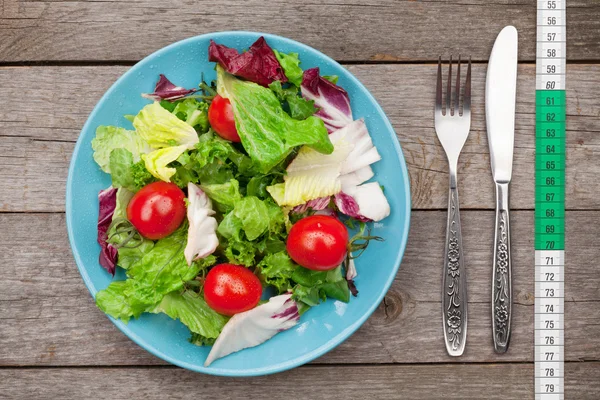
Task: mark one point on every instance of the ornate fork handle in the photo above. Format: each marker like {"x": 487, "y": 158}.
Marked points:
{"x": 501, "y": 275}
{"x": 454, "y": 282}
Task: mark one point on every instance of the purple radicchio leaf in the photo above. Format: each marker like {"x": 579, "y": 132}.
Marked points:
{"x": 258, "y": 64}
{"x": 332, "y": 101}
{"x": 107, "y": 202}
{"x": 166, "y": 90}
{"x": 318, "y": 204}
{"x": 347, "y": 205}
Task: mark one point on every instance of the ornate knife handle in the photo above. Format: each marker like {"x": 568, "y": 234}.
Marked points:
{"x": 454, "y": 281}
{"x": 501, "y": 276}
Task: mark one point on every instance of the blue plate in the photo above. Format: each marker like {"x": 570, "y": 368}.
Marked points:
{"x": 321, "y": 328}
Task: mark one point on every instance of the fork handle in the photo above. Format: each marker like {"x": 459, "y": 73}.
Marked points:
{"x": 501, "y": 275}
{"x": 454, "y": 280}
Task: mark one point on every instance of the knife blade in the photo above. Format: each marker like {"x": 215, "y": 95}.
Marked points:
{"x": 500, "y": 99}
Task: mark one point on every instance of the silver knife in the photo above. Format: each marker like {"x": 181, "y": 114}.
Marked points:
{"x": 500, "y": 96}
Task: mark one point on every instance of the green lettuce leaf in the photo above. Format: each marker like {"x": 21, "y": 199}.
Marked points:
{"x": 161, "y": 270}
{"x": 276, "y": 270}
{"x": 112, "y": 301}
{"x": 159, "y": 128}
{"x": 109, "y": 138}
{"x": 193, "y": 112}
{"x": 191, "y": 309}
{"x": 121, "y": 161}
{"x": 224, "y": 195}
{"x": 268, "y": 133}
{"x": 137, "y": 247}
{"x": 156, "y": 162}
{"x": 141, "y": 176}
{"x": 291, "y": 66}
{"x": 314, "y": 286}
{"x": 254, "y": 215}
{"x": 242, "y": 252}
{"x": 297, "y": 106}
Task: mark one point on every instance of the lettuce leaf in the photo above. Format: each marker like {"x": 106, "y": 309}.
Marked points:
{"x": 225, "y": 195}
{"x": 156, "y": 162}
{"x": 291, "y": 66}
{"x": 267, "y": 132}
{"x": 276, "y": 270}
{"x": 109, "y": 138}
{"x": 135, "y": 248}
{"x": 161, "y": 270}
{"x": 121, "y": 161}
{"x": 258, "y": 64}
{"x": 191, "y": 309}
{"x": 254, "y": 215}
{"x": 314, "y": 286}
{"x": 193, "y": 112}
{"x": 297, "y": 106}
{"x": 159, "y": 128}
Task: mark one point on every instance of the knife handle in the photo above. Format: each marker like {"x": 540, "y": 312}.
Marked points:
{"x": 454, "y": 280}
{"x": 501, "y": 275}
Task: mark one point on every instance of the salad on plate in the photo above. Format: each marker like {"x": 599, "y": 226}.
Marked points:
{"x": 231, "y": 203}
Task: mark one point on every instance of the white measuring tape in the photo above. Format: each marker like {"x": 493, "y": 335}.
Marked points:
{"x": 550, "y": 199}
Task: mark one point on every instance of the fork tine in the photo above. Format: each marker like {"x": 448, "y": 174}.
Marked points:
{"x": 467, "y": 94}
{"x": 449, "y": 87}
{"x": 457, "y": 91}
{"x": 438, "y": 89}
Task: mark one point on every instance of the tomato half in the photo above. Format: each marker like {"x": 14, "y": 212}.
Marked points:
{"x": 231, "y": 289}
{"x": 157, "y": 210}
{"x": 318, "y": 242}
{"x": 220, "y": 116}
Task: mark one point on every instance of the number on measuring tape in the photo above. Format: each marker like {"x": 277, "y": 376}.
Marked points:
{"x": 550, "y": 136}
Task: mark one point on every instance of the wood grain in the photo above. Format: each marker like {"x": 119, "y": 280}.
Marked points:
{"x": 41, "y": 115}
{"x": 415, "y": 382}
{"x": 47, "y": 316}
{"x": 388, "y": 30}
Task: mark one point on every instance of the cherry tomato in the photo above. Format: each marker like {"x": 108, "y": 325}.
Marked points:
{"x": 220, "y": 116}
{"x": 318, "y": 242}
{"x": 230, "y": 289}
{"x": 157, "y": 210}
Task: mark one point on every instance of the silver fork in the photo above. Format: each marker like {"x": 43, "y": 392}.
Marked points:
{"x": 452, "y": 128}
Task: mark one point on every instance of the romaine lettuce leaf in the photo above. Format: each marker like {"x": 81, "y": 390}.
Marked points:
{"x": 159, "y": 128}
{"x": 191, "y": 309}
{"x": 109, "y": 138}
{"x": 113, "y": 301}
{"x": 314, "y": 286}
{"x": 267, "y": 132}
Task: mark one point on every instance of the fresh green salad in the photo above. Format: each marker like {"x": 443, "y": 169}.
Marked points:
{"x": 240, "y": 190}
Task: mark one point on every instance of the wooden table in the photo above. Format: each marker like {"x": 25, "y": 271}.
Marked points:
{"x": 58, "y": 57}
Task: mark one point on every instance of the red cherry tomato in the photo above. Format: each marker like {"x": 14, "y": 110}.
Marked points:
{"x": 318, "y": 242}
{"x": 220, "y": 116}
{"x": 231, "y": 289}
{"x": 157, "y": 210}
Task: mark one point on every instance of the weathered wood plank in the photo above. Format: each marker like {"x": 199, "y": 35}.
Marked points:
{"x": 397, "y": 30}
{"x": 41, "y": 115}
{"x": 48, "y": 317}
{"x": 415, "y": 382}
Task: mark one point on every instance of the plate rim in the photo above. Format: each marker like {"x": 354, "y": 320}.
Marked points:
{"x": 307, "y": 357}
